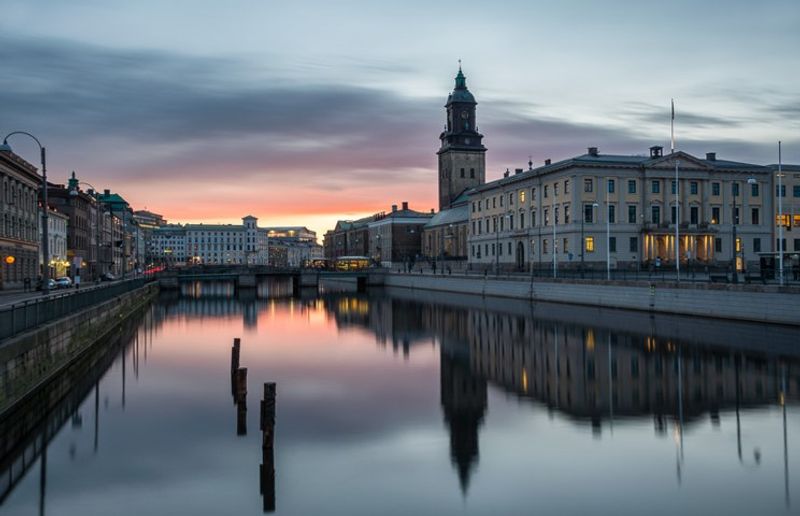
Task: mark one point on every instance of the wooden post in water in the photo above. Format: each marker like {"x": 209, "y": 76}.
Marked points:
{"x": 241, "y": 401}
{"x": 235, "y": 351}
{"x": 267, "y": 470}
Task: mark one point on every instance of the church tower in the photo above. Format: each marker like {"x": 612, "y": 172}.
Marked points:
{"x": 462, "y": 159}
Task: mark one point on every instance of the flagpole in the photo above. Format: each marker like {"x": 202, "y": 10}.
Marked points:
{"x": 677, "y": 198}
{"x": 780, "y": 215}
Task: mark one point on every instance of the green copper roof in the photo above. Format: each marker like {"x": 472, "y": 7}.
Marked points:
{"x": 461, "y": 93}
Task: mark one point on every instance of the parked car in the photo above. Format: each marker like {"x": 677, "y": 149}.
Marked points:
{"x": 51, "y": 283}
{"x": 63, "y": 282}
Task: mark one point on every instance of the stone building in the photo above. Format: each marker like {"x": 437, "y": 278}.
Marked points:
{"x": 292, "y": 246}
{"x": 444, "y": 237}
{"x": 197, "y": 244}
{"x": 348, "y": 238}
{"x": 57, "y": 236}
{"x": 462, "y": 156}
{"x": 395, "y": 238}
{"x": 19, "y": 208}
{"x": 590, "y": 208}
{"x": 81, "y": 209}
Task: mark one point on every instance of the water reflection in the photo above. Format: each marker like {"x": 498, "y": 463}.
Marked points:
{"x": 597, "y": 371}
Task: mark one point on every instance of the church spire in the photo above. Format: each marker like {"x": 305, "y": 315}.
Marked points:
{"x": 461, "y": 81}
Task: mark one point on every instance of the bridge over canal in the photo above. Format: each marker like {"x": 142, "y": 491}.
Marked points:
{"x": 248, "y": 276}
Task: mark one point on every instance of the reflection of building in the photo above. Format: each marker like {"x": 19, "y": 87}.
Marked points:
{"x": 463, "y": 397}
{"x": 583, "y": 370}
{"x": 19, "y": 209}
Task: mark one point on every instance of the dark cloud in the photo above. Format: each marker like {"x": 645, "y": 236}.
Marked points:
{"x": 123, "y": 114}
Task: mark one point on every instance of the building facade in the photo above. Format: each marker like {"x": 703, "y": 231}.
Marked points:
{"x": 395, "y": 238}
{"x": 462, "y": 156}
{"x": 19, "y": 209}
{"x": 57, "y": 235}
{"x": 292, "y": 246}
{"x": 596, "y": 207}
{"x": 217, "y": 244}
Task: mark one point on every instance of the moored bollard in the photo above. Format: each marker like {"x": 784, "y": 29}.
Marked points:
{"x": 267, "y": 468}
{"x": 235, "y": 355}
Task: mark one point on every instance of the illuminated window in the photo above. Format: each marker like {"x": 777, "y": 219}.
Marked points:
{"x": 589, "y": 242}
{"x": 521, "y": 196}
{"x": 738, "y": 244}
{"x": 796, "y": 221}
{"x": 782, "y": 220}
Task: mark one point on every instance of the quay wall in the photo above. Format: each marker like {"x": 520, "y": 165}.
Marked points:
{"x": 743, "y": 302}
{"x": 32, "y": 359}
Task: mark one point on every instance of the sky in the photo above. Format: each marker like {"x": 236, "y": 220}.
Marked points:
{"x": 305, "y": 112}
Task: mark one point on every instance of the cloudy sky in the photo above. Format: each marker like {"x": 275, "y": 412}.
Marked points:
{"x": 308, "y": 111}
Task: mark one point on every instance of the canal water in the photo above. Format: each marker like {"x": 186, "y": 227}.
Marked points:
{"x": 401, "y": 402}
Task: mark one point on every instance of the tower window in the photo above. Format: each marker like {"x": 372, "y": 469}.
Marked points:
{"x": 462, "y": 172}
{"x": 472, "y": 173}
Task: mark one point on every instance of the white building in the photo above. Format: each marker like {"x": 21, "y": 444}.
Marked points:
{"x": 57, "y": 242}
{"x": 211, "y": 243}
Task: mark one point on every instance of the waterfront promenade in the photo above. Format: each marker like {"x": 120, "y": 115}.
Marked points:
{"x": 749, "y": 302}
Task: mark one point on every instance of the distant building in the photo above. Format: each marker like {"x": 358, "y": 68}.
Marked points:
{"x": 348, "y": 238}
{"x": 19, "y": 209}
{"x": 244, "y": 244}
{"x": 81, "y": 208}
{"x": 444, "y": 237}
{"x": 395, "y": 238}
{"x": 292, "y": 246}
{"x": 147, "y": 222}
{"x": 57, "y": 224}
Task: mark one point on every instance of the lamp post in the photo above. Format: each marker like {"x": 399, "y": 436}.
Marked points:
{"x": 608, "y": 239}
{"x": 780, "y": 217}
{"x": 45, "y": 216}
{"x": 583, "y": 219}
{"x": 735, "y": 252}
{"x": 555, "y": 243}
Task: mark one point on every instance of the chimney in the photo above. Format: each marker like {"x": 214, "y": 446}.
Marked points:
{"x": 405, "y": 205}
{"x": 432, "y": 212}
{"x": 506, "y": 173}
{"x": 394, "y": 208}
{"x": 547, "y": 161}
{"x": 711, "y": 156}
{"x": 656, "y": 151}
{"x": 106, "y": 192}
{"x": 517, "y": 171}
{"x": 593, "y": 151}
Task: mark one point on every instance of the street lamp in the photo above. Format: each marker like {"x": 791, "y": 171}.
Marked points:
{"x": 780, "y": 217}
{"x": 583, "y": 219}
{"x": 608, "y": 238}
{"x": 735, "y": 253}
{"x": 45, "y": 217}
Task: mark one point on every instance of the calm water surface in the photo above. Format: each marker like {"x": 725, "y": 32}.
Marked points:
{"x": 407, "y": 403}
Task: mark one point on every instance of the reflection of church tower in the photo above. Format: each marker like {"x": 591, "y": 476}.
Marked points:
{"x": 462, "y": 160}
{"x": 464, "y": 405}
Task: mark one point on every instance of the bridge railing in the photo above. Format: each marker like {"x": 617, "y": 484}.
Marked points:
{"x": 26, "y": 315}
